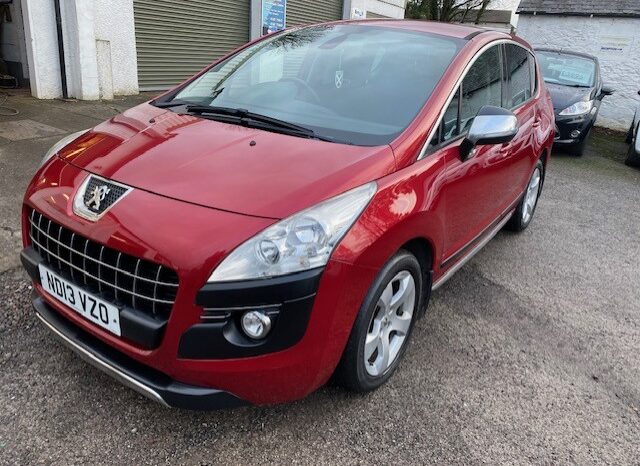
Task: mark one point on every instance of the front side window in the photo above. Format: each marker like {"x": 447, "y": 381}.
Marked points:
{"x": 481, "y": 86}
{"x": 520, "y": 86}
{"x": 351, "y": 83}
{"x": 567, "y": 69}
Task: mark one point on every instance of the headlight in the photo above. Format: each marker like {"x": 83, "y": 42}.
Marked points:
{"x": 301, "y": 242}
{"x": 60, "y": 144}
{"x": 579, "y": 108}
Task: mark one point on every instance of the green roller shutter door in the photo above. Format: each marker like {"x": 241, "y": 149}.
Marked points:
{"x": 301, "y": 12}
{"x": 177, "y": 38}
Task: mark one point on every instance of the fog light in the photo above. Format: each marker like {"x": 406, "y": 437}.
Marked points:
{"x": 575, "y": 133}
{"x": 256, "y": 324}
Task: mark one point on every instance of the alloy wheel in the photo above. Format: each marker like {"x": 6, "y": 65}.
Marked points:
{"x": 390, "y": 324}
{"x": 531, "y": 197}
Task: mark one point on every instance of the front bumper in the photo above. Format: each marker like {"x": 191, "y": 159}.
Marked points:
{"x": 145, "y": 380}
{"x": 572, "y": 129}
{"x": 192, "y": 240}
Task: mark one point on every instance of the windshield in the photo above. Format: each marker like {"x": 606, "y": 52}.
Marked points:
{"x": 567, "y": 69}
{"x": 348, "y": 83}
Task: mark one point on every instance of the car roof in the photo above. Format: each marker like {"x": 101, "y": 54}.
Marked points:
{"x": 566, "y": 52}
{"x": 458, "y": 31}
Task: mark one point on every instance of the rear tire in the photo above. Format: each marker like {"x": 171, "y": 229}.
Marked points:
{"x": 382, "y": 329}
{"x": 523, "y": 215}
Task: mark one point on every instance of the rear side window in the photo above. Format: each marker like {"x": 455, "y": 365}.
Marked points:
{"x": 520, "y": 84}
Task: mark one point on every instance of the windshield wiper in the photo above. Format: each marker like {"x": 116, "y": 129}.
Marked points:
{"x": 169, "y": 103}
{"x": 208, "y": 109}
{"x": 256, "y": 120}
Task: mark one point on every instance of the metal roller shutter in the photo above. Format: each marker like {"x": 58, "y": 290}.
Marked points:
{"x": 301, "y": 12}
{"x": 177, "y": 38}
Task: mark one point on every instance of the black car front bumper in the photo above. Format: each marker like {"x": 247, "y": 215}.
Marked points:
{"x": 566, "y": 126}
{"x": 143, "y": 379}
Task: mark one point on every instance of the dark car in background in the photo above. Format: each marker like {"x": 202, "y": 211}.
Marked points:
{"x": 633, "y": 156}
{"x": 575, "y": 84}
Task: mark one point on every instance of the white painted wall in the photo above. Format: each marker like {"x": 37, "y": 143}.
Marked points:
{"x": 511, "y": 5}
{"x": 42, "y": 48}
{"x": 100, "y": 48}
{"x": 387, "y": 8}
{"x": 114, "y": 26}
{"x": 616, "y": 43}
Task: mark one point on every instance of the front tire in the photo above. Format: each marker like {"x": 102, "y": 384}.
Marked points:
{"x": 633, "y": 158}
{"x": 523, "y": 215}
{"x": 381, "y": 332}
{"x": 578, "y": 149}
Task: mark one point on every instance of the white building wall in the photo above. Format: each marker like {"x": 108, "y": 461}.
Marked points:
{"x": 99, "y": 43}
{"x": 116, "y": 45}
{"x": 42, "y": 48}
{"x": 386, "y": 8}
{"x": 616, "y": 43}
{"x": 511, "y": 5}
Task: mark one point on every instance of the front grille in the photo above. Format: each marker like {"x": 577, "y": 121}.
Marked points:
{"x": 117, "y": 277}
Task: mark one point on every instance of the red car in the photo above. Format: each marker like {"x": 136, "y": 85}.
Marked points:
{"x": 283, "y": 216}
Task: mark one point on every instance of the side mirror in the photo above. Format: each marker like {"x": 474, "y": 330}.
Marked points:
{"x": 606, "y": 90}
{"x": 638, "y": 92}
{"x": 492, "y": 125}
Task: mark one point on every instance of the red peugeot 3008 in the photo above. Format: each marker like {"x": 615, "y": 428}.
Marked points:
{"x": 283, "y": 216}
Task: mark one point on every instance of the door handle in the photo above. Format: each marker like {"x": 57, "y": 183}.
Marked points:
{"x": 536, "y": 123}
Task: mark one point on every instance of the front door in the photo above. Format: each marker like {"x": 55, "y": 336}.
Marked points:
{"x": 474, "y": 190}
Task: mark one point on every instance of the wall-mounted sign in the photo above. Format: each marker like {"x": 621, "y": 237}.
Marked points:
{"x": 357, "y": 13}
{"x": 274, "y": 15}
{"x": 617, "y": 45}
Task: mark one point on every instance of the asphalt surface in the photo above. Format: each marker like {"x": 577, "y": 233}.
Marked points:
{"x": 528, "y": 355}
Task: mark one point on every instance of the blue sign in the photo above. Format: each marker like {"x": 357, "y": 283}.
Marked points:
{"x": 274, "y": 15}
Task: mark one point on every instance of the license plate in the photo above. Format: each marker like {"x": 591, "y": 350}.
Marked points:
{"x": 86, "y": 304}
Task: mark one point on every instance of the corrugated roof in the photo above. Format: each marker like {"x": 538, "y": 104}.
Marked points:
{"x": 628, "y": 8}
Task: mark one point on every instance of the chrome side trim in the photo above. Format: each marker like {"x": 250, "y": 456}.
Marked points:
{"x": 103, "y": 366}
{"x": 458, "y": 265}
{"x": 425, "y": 147}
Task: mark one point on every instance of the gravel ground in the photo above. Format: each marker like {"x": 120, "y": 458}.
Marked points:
{"x": 528, "y": 355}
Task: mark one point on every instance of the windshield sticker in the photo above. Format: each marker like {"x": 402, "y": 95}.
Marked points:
{"x": 576, "y": 76}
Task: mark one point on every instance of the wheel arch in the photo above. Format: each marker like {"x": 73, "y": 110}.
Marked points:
{"x": 544, "y": 157}
{"x": 423, "y": 250}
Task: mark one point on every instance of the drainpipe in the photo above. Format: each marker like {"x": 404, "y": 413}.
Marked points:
{"x": 63, "y": 70}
